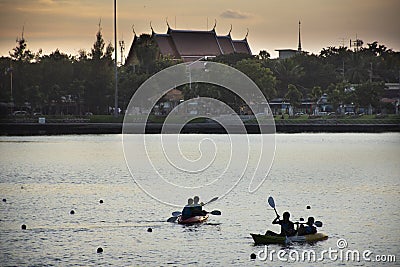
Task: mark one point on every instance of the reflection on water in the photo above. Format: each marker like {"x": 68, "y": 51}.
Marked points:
{"x": 351, "y": 182}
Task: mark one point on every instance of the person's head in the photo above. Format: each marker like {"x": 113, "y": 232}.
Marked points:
{"x": 286, "y": 216}
{"x": 310, "y": 221}
{"x": 190, "y": 201}
{"x": 196, "y": 200}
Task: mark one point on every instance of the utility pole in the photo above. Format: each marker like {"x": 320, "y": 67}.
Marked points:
{"x": 115, "y": 65}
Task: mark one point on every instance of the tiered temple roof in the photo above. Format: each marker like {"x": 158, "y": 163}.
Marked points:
{"x": 190, "y": 45}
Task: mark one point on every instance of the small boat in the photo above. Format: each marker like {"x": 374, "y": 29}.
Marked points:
{"x": 193, "y": 220}
{"x": 269, "y": 239}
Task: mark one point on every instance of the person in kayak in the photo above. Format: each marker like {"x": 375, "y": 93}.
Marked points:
{"x": 309, "y": 228}
{"x": 187, "y": 210}
{"x": 197, "y": 209}
{"x": 287, "y": 226}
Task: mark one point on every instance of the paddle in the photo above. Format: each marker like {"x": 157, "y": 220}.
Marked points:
{"x": 173, "y": 219}
{"x": 212, "y": 200}
{"x": 271, "y": 202}
{"x": 176, "y": 213}
{"x": 316, "y": 223}
{"x": 215, "y": 212}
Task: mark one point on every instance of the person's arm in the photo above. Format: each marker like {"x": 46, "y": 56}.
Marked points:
{"x": 276, "y": 220}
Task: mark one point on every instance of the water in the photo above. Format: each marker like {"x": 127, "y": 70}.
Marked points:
{"x": 351, "y": 182}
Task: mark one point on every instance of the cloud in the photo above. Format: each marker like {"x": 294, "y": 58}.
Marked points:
{"x": 233, "y": 14}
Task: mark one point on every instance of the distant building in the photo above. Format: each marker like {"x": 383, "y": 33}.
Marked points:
{"x": 190, "y": 45}
{"x": 392, "y": 90}
{"x": 286, "y": 53}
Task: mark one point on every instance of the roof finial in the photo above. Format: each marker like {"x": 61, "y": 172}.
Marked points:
{"x": 247, "y": 34}
{"x": 229, "y": 33}
{"x": 133, "y": 29}
{"x": 215, "y": 24}
{"x": 299, "y": 45}
{"x": 152, "y": 30}
{"x": 166, "y": 21}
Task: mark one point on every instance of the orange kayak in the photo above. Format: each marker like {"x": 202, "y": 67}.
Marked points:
{"x": 193, "y": 220}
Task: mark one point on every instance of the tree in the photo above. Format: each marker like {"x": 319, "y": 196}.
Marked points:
{"x": 232, "y": 59}
{"x": 262, "y": 76}
{"x": 56, "y": 73}
{"x": 316, "y": 72}
{"x": 369, "y": 93}
{"x": 264, "y": 55}
{"x": 287, "y": 72}
{"x": 98, "y": 90}
{"x": 316, "y": 93}
{"x": 22, "y": 71}
{"x": 294, "y": 95}
{"x": 337, "y": 94}
{"x": 21, "y": 53}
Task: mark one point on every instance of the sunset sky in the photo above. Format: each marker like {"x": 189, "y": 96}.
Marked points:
{"x": 71, "y": 25}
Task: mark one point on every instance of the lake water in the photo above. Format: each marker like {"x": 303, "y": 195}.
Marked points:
{"x": 350, "y": 181}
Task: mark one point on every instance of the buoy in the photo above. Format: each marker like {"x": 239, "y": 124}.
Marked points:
{"x": 23, "y": 227}
{"x": 99, "y": 250}
{"x": 72, "y": 212}
{"x": 4, "y": 200}
{"x": 253, "y": 256}
{"x": 308, "y": 207}
{"x": 149, "y": 230}
{"x": 101, "y": 201}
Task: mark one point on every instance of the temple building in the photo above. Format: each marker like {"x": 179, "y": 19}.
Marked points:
{"x": 190, "y": 45}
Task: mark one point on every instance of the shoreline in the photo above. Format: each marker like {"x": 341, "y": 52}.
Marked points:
{"x": 27, "y": 129}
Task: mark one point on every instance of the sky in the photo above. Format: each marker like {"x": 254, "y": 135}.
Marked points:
{"x": 71, "y": 25}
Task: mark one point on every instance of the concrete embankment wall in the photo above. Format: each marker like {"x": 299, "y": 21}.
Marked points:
{"x": 116, "y": 128}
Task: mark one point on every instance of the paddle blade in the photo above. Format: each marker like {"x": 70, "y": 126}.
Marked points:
{"x": 318, "y": 223}
{"x": 212, "y": 200}
{"x": 176, "y": 213}
{"x": 216, "y": 212}
{"x": 271, "y": 202}
{"x": 172, "y": 219}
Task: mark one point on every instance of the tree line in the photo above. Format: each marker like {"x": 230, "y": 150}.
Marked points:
{"x": 62, "y": 84}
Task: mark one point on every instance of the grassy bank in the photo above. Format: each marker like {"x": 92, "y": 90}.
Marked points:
{"x": 303, "y": 119}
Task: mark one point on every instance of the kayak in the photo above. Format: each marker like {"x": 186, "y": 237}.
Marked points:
{"x": 269, "y": 239}
{"x": 193, "y": 220}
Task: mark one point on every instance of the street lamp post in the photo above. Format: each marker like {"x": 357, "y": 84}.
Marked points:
{"x": 190, "y": 71}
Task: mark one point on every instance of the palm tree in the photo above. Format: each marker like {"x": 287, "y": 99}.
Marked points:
{"x": 287, "y": 72}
